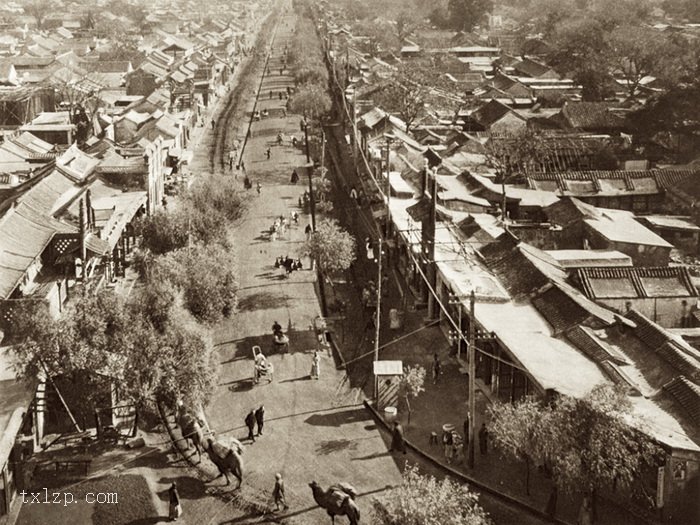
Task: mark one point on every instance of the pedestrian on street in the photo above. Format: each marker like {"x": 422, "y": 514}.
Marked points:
{"x": 436, "y": 368}
{"x": 270, "y": 94}
{"x": 258, "y": 187}
{"x": 483, "y": 439}
{"x": 278, "y": 493}
{"x": 280, "y": 95}
{"x": 175, "y": 510}
{"x": 260, "y": 419}
{"x": 212, "y": 123}
{"x": 447, "y": 442}
{"x": 398, "y": 442}
{"x": 250, "y": 423}
{"x": 315, "y": 365}
{"x": 295, "y": 177}
{"x": 268, "y": 153}
{"x": 308, "y": 231}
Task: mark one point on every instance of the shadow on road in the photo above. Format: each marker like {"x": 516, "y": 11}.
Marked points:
{"x": 263, "y": 301}
{"x": 335, "y": 445}
{"x": 301, "y": 378}
{"x": 372, "y": 456}
{"x": 187, "y": 486}
{"x": 338, "y": 419}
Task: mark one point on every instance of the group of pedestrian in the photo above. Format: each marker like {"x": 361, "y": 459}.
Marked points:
{"x": 255, "y": 417}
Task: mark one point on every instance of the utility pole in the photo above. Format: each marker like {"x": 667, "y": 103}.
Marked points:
{"x": 309, "y": 172}
{"x": 472, "y": 386}
{"x": 388, "y": 188}
{"x": 378, "y": 314}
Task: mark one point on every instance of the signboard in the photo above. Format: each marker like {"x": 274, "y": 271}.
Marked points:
{"x": 660, "y": 487}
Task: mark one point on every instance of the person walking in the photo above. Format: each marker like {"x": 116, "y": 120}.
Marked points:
{"x": 295, "y": 177}
{"x": 447, "y": 442}
{"x": 278, "y": 493}
{"x": 250, "y": 423}
{"x": 258, "y": 187}
{"x": 398, "y": 442}
{"x": 260, "y": 418}
{"x": 268, "y": 153}
{"x": 213, "y": 123}
{"x": 483, "y": 439}
{"x": 315, "y": 365}
{"x": 308, "y": 231}
{"x": 175, "y": 509}
{"x": 436, "y": 368}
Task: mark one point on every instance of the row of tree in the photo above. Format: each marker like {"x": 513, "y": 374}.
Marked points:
{"x": 588, "y": 445}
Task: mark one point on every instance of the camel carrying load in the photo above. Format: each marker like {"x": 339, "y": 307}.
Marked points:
{"x": 228, "y": 459}
{"x": 338, "y": 500}
{"x": 192, "y": 432}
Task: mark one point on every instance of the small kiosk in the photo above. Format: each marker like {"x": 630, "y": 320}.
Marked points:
{"x": 387, "y": 378}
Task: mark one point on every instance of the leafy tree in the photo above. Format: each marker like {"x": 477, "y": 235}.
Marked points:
{"x": 163, "y": 231}
{"x": 590, "y": 444}
{"x": 522, "y": 431}
{"x": 218, "y": 193}
{"x": 407, "y": 101}
{"x": 465, "y": 15}
{"x": 415, "y": 86}
{"x": 377, "y": 37}
{"x": 637, "y": 54}
{"x": 330, "y": 246}
{"x": 421, "y": 500}
{"x": 411, "y": 385}
{"x": 206, "y": 275}
{"x": 174, "y": 363}
{"x": 581, "y": 51}
{"x": 311, "y": 100}
{"x": 406, "y": 23}
{"x": 676, "y": 112}
{"x": 39, "y": 9}
{"x": 152, "y": 349}
{"x": 682, "y": 9}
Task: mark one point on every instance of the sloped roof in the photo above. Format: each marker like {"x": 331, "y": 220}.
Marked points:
{"x": 492, "y": 112}
{"x": 687, "y": 394}
{"x": 24, "y": 234}
{"x": 591, "y": 115}
{"x": 531, "y": 68}
{"x": 609, "y": 182}
{"x": 673, "y": 349}
{"x": 634, "y": 282}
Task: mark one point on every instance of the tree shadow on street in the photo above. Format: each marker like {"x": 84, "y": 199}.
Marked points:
{"x": 335, "y": 445}
{"x": 263, "y": 301}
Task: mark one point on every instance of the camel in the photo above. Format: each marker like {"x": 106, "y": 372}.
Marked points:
{"x": 338, "y": 500}
{"x": 227, "y": 459}
{"x": 192, "y": 432}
